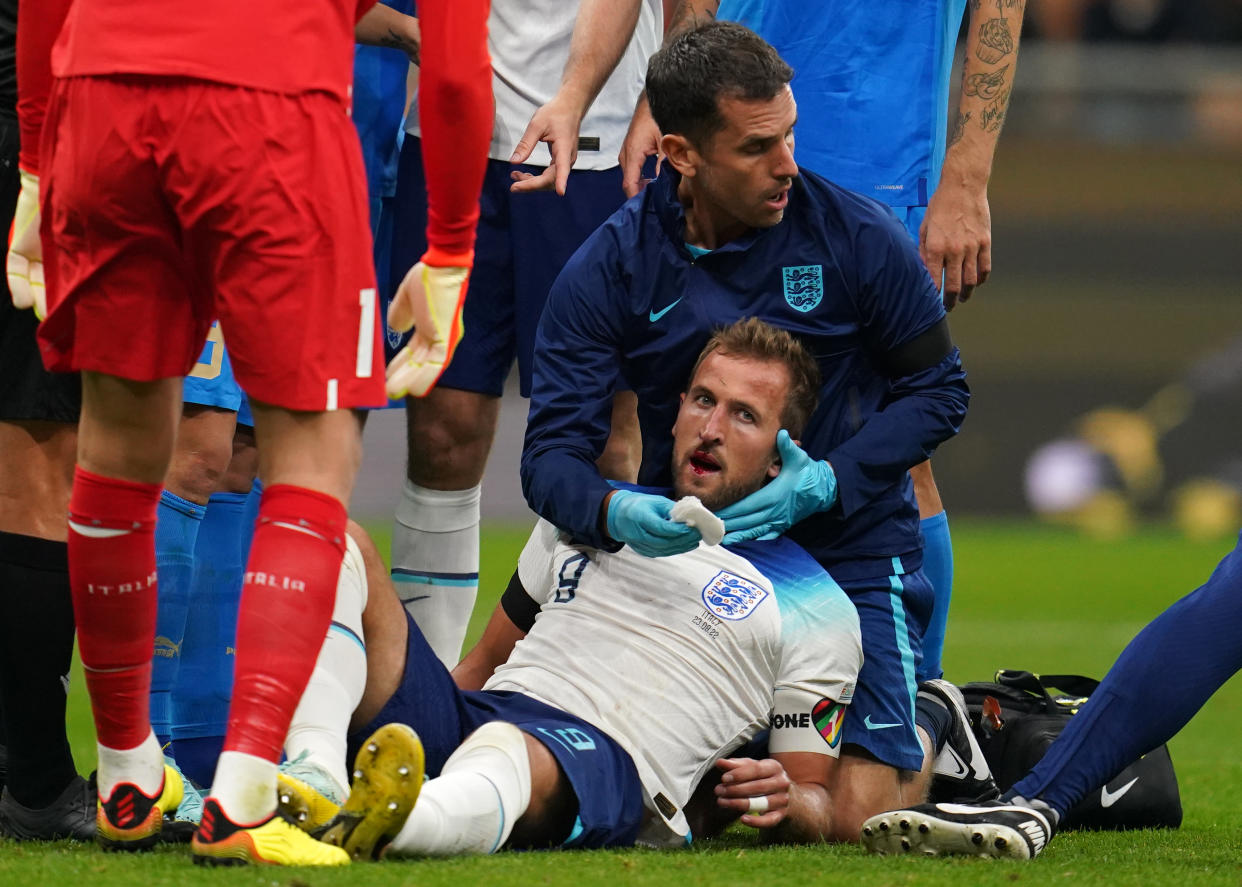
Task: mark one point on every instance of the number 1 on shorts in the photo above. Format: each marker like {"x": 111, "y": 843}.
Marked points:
{"x": 366, "y": 332}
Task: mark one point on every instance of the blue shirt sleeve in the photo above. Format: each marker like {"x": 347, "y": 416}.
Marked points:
{"x": 897, "y": 302}
{"x": 577, "y": 357}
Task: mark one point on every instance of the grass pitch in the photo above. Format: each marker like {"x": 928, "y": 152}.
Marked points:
{"x": 1026, "y": 597}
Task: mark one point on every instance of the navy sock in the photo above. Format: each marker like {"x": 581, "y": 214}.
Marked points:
{"x": 1161, "y": 679}
{"x": 36, "y": 647}
{"x": 933, "y": 717}
{"x": 938, "y": 567}
{"x": 176, "y": 530}
{"x": 200, "y": 704}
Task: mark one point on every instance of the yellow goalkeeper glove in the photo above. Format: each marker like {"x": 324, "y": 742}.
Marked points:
{"x": 24, "y": 265}
{"x": 430, "y": 299}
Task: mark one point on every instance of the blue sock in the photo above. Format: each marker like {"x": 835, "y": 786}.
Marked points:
{"x": 938, "y": 567}
{"x": 200, "y": 706}
{"x": 176, "y": 531}
{"x": 1161, "y": 679}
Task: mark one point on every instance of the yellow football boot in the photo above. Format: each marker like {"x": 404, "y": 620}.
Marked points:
{"x": 131, "y": 820}
{"x": 275, "y": 841}
{"x": 388, "y": 775}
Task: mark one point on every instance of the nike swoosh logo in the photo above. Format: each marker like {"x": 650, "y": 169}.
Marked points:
{"x": 653, "y": 316}
{"x": 1107, "y": 798}
{"x": 870, "y": 726}
{"x": 417, "y": 597}
{"x": 960, "y": 770}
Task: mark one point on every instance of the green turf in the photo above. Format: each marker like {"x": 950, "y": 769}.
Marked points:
{"x": 1026, "y": 597}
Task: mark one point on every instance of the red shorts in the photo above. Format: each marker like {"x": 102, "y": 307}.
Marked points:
{"x": 168, "y": 203}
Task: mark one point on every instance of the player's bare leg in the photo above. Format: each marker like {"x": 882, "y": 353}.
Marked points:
{"x": 125, "y": 443}
{"x": 863, "y": 787}
{"x": 37, "y": 476}
{"x": 937, "y": 565}
{"x": 308, "y": 461}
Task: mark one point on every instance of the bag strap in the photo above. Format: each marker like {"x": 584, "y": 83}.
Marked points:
{"x": 1037, "y": 686}
{"x": 1073, "y": 684}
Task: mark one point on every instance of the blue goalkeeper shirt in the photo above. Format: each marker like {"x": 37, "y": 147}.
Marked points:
{"x": 872, "y": 84}
{"x": 839, "y": 271}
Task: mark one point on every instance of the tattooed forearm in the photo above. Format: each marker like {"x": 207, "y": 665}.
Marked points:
{"x": 994, "y": 114}
{"x": 995, "y": 41}
{"x": 959, "y": 126}
{"x": 393, "y": 40}
{"x": 986, "y": 84}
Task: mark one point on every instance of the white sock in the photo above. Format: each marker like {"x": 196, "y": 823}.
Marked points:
{"x": 245, "y": 787}
{"x": 142, "y": 765}
{"x": 435, "y": 563}
{"x": 472, "y": 805}
{"x": 320, "y": 725}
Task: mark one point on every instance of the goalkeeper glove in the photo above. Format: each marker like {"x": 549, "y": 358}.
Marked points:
{"x": 644, "y": 523}
{"x": 430, "y": 299}
{"x": 803, "y": 487}
{"x": 24, "y": 265}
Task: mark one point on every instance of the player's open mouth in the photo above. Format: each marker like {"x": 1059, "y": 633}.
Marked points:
{"x": 778, "y": 199}
{"x": 703, "y": 463}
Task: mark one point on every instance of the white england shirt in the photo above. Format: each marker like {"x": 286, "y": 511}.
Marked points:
{"x": 529, "y": 44}
{"x": 682, "y": 659}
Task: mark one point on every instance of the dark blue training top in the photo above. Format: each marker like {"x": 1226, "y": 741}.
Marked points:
{"x": 839, "y": 271}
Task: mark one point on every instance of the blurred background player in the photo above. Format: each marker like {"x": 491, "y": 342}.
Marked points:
{"x": 43, "y": 795}
{"x": 551, "y": 62}
{"x": 309, "y": 443}
{"x": 872, "y": 85}
{"x": 1117, "y": 465}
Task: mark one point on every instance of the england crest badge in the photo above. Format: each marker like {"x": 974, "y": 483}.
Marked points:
{"x": 732, "y": 597}
{"x": 804, "y": 285}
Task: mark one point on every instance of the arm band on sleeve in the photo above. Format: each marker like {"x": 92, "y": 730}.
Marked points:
{"x": 519, "y": 606}
{"x": 925, "y": 350}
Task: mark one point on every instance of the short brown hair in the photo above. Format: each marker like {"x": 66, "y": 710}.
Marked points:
{"x": 687, "y": 79}
{"x": 753, "y": 338}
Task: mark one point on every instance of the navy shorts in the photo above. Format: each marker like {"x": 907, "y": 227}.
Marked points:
{"x": 602, "y": 774}
{"x": 211, "y": 382}
{"x": 523, "y": 242}
{"x": 893, "y": 612}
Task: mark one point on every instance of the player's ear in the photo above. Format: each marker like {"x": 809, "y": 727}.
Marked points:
{"x": 680, "y": 153}
{"x": 774, "y": 467}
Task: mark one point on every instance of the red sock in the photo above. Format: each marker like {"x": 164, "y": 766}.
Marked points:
{"x": 112, "y": 577}
{"x": 286, "y": 607}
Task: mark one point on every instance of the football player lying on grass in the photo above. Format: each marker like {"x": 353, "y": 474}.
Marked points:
{"x": 635, "y": 678}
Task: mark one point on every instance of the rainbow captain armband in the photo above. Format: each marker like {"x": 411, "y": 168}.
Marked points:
{"x": 429, "y": 299}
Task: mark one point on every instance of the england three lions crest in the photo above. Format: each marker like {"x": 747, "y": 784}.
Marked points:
{"x": 804, "y": 285}
{"x": 732, "y": 597}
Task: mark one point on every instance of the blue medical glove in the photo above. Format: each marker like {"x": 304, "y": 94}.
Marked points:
{"x": 642, "y": 522}
{"x": 803, "y": 487}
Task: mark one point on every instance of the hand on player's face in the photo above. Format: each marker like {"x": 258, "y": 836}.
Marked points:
{"x": 747, "y": 168}
{"x": 725, "y": 434}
